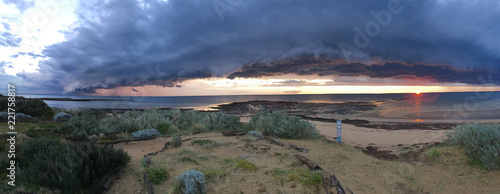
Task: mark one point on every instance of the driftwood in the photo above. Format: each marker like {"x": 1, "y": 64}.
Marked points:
{"x": 298, "y": 149}
{"x": 148, "y": 161}
{"x": 168, "y": 144}
{"x": 309, "y": 163}
{"x": 334, "y": 182}
{"x": 124, "y": 140}
{"x": 150, "y": 185}
{"x": 233, "y": 133}
{"x": 109, "y": 182}
{"x": 275, "y": 141}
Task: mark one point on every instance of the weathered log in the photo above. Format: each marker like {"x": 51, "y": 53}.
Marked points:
{"x": 298, "y": 149}
{"x": 124, "y": 140}
{"x": 233, "y": 133}
{"x": 150, "y": 185}
{"x": 148, "y": 161}
{"x": 334, "y": 182}
{"x": 167, "y": 144}
{"x": 109, "y": 182}
{"x": 309, "y": 163}
{"x": 349, "y": 190}
{"x": 275, "y": 141}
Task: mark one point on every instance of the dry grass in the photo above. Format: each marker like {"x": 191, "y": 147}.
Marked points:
{"x": 448, "y": 173}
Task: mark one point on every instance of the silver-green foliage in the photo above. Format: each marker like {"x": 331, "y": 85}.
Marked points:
{"x": 255, "y": 134}
{"x": 279, "y": 124}
{"x": 191, "y": 182}
{"x": 211, "y": 121}
{"x": 481, "y": 142}
{"x": 85, "y": 122}
{"x": 146, "y": 134}
{"x": 61, "y": 117}
{"x": 176, "y": 140}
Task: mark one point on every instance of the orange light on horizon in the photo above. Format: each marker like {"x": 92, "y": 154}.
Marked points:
{"x": 417, "y": 92}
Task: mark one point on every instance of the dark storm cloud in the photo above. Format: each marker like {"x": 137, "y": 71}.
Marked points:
{"x": 20, "y": 4}
{"x": 126, "y": 43}
{"x": 8, "y": 39}
{"x": 322, "y": 66}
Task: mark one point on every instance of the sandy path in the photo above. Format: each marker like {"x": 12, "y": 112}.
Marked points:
{"x": 384, "y": 139}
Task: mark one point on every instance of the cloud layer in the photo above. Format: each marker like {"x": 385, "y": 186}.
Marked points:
{"x": 134, "y": 43}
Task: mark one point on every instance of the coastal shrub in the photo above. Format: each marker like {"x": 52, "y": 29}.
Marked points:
{"x": 132, "y": 121}
{"x": 432, "y": 154}
{"x": 190, "y": 182}
{"x": 110, "y": 125}
{"x": 196, "y": 121}
{"x": 214, "y": 174}
{"x": 198, "y": 128}
{"x": 246, "y": 165}
{"x": 279, "y": 124}
{"x": 480, "y": 141}
{"x": 4, "y": 116}
{"x": 62, "y": 117}
{"x": 255, "y": 134}
{"x": 23, "y": 118}
{"x": 218, "y": 121}
{"x": 146, "y": 134}
{"x": 171, "y": 114}
{"x": 163, "y": 128}
{"x": 33, "y": 106}
{"x": 309, "y": 179}
{"x": 204, "y": 142}
{"x": 157, "y": 175}
{"x": 176, "y": 140}
{"x": 84, "y": 123}
{"x": 69, "y": 168}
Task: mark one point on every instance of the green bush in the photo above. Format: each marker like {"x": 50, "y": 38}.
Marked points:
{"x": 69, "y": 168}
{"x": 176, "y": 141}
{"x": 195, "y": 121}
{"x": 480, "y": 141}
{"x": 84, "y": 123}
{"x": 157, "y": 175}
{"x": 213, "y": 174}
{"x": 279, "y": 124}
{"x": 62, "y": 117}
{"x": 190, "y": 182}
{"x": 35, "y": 107}
{"x": 246, "y": 165}
{"x": 163, "y": 128}
{"x": 432, "y": 154}
{"x": 204, "y": 142}
{"x": 132, "y": 121}
{"x": 309, "y": 179}
{"x": 146, "y": 134}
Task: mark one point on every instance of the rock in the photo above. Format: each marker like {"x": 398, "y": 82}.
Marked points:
{"x": 62, "y": 116}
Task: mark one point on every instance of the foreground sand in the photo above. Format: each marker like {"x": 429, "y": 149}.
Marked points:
{"x": 391, "y": 140}
{"x": 448, "y": 173}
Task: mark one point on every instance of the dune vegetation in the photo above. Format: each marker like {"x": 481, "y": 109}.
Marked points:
{"x": 188, "y": 154}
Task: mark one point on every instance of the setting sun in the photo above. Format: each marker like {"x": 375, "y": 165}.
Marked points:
{"x": 417, "y": 92}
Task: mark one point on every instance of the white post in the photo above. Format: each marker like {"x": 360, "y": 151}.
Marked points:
{"x": 339, "y": 131}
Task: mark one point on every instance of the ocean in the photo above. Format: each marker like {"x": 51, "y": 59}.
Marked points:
{"x": 417, "y": 107}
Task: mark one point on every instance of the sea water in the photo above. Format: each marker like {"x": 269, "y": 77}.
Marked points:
{"x": 424, "y": 106}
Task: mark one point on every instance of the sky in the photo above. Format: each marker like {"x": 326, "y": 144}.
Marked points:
{"x": 238, "y": 47}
